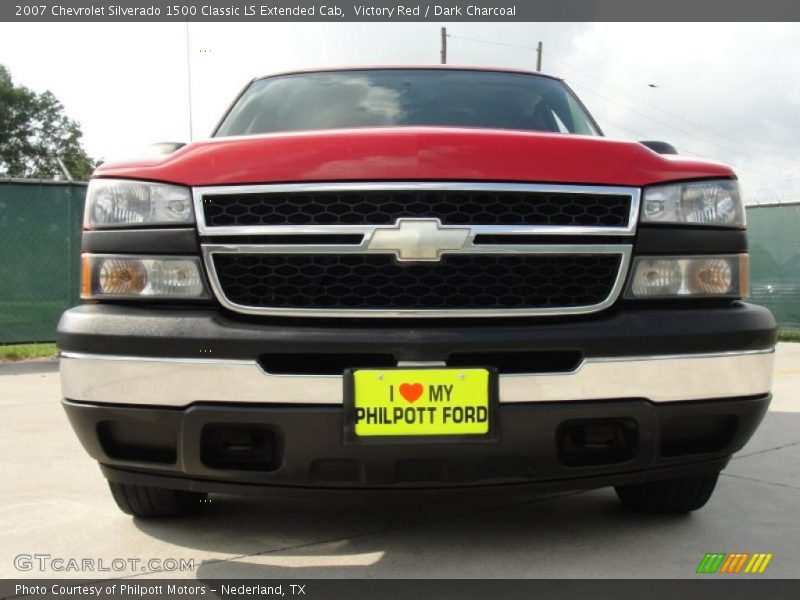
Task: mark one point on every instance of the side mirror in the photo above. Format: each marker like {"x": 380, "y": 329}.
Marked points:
{"x": 660, "y": 147}
{"x": 162, "y": 148}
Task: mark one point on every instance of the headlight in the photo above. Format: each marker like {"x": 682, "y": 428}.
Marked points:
{"x": 715, "y": 203}
{"x": 698, "y": 276}
{"x": 120, "y": 276}
{"x": 124, "y": 203}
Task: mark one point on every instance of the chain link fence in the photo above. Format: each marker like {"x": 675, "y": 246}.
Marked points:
{"x": 40, "y": 230}
{"x": 40, "y": 240}
{"x": 774, "y": 241}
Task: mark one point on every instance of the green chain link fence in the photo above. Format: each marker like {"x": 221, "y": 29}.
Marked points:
{"x": 774, "y": 241}
{"x": 40, "y": 240}
{"x": 40, "y": 229}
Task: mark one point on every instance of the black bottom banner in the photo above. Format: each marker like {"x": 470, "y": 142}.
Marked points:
{"x": 406, "y": 589}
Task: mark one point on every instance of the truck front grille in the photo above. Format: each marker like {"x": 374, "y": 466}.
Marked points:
{"x": 378, "y": 281}
{"x": 451, "y": 207}
{"x": 417, "y": 249}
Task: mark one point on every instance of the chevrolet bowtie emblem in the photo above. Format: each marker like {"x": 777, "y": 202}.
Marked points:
{"x": 418, "y": 239}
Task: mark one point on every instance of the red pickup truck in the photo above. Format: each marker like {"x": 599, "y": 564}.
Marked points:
{"x": 413, "y": 277}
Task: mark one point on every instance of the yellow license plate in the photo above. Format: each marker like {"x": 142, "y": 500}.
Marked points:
{"x": 420, "y": 402}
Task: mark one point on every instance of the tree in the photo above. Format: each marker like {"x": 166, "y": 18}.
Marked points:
{"x": 35, "y": 134}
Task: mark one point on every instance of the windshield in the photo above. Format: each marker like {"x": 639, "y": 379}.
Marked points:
{"x": 406, "y": 97}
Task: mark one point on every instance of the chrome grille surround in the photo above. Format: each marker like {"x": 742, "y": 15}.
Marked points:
{"x": 210, "y": 248}
{"x": 366, "y": 206}
{"x": 378, "y": 186}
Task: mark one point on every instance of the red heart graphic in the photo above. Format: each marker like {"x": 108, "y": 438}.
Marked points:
{"x": 411, "y": 391}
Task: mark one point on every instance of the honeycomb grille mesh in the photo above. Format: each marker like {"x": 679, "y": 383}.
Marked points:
{"x": 372, "y": 207}
{"x": 378, "y": 281}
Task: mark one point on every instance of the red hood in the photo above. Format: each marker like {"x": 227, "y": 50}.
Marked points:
{"x": 415, "y": 154}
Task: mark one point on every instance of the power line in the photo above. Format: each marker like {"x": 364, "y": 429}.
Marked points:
{"x": 641, "y": 135}
{"x": 558, "y": 60}
{"x": 738, "y": 150}
{"x": 784, "y": 179}
{"x": 459, "y": 37}
{"x": 748, "y": 193}
{"x": 684, "y": 131}
{"x": 770, "y": 191}
{"x": 189, "y": 81}
{"x": 758, "y": 189}
{"x": 666, "y": 112}
{"x": 682, "y": 149}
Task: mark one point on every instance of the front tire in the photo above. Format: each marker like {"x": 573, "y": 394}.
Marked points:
{"x": 670, "y": 496}
{"x": 152, "y": 502}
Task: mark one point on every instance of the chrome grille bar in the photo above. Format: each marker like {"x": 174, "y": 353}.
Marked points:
{"x": 299, "y": 188}
{"x": 623, "y": 251}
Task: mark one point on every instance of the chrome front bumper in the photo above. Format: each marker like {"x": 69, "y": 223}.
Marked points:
{"x": 178, "y": 382}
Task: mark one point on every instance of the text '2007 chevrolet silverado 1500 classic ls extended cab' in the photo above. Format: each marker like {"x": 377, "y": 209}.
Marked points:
{"x": 393, "y": 278}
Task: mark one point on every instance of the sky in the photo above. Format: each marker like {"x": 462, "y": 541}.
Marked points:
{"x": 726, "y": 91}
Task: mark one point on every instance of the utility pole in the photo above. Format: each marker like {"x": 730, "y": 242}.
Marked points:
{"x": 64, "y": 169}
{"x": 539, "y": 56}
{"x": 189, "y": 80}
{"x": 444, "y": 46}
